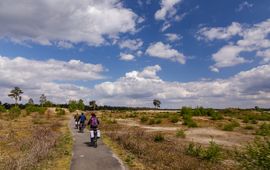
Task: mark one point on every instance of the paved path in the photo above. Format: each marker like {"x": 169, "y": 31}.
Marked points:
{"x": 90, "y": 158}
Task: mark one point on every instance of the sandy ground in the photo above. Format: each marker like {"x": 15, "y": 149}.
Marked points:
{"x": 198, "y": 135}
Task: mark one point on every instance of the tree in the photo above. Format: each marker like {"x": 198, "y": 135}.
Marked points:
{"x": 30, "y": 101}
{"x": 81, "y": 105}
{"x": 16, "y": 94}
{"x": 42, "y": 99}
{"x": 156, "y": 103}
{"x": 72, "y": 105}
{"x": 93, "y": 104}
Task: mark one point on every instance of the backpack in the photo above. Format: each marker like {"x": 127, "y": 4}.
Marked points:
{"x": 94, "y": 122}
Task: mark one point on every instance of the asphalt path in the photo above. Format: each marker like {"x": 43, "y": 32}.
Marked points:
{"x": 86, "y": 157}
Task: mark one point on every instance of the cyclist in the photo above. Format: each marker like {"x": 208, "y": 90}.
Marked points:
{"x": 77, "y": 119}
{"x": 82, "y": 120}
{"x": 93, "y": 122}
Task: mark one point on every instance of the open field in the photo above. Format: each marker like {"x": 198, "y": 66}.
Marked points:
{"x": 35, "y": 140}
{"x": 173, "y": 140}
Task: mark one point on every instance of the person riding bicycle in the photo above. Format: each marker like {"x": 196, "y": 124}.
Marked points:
{"x": 77, "y": 119}
{"x": 82, "y": 120}
{"x": 93, "y": 122}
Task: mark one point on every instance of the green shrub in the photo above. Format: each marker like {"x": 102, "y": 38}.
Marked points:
{"x": 255, "y": 155}
{"x": 216, "y": 116}
{"x": 158, "y": 121}
{"x": 186, "y": 111}
{"x": 32, "y": 108}
{"x": 180, "y": 134}
{"x": 254, "y": 121}
{"x": 189, "y": 121}
{"x": 231, "y": 125}
{"x": 14, "y": 112}
{"x": 151, "y": 121}
{"x": 2, "y": 109}
{"x": 264, "y": 130}
{"x": 211, "y": 153}
{"x": 159, "y": 138}
{"x": 144, "y": 119}
{"x": 174, "y": 118}
{"x": 60, "y": 112}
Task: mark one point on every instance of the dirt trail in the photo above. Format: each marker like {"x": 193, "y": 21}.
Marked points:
{"x": 85, "y": 157}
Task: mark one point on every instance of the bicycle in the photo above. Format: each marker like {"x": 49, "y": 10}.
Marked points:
{"x": 81, "y": 127}
{"x": 94, "y": 135}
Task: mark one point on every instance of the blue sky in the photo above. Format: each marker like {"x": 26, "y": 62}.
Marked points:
{"x": 182, "y": 52}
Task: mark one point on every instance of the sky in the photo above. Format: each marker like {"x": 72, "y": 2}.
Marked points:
{"x": 128, "y": 52}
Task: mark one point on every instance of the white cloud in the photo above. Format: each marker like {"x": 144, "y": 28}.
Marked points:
{"x": 252, "y": 38}
{"x": 135, "y": 88}
{"x": 167, "y": 9}
{"x": 140, "y": 88}
{"x": 173, "y": 37}
{"x": 244, "y": 5}
{"x": 53, "y": 77}
{"x": 227, "y": 56}
{"x": 64, "y": 44}
{"x": 126, "y": 57}
{"x": 44, "y": 21}
{"x": 165, "y": 51}
{"x": 131, "y": 44}
{"x": 211, "y": 34}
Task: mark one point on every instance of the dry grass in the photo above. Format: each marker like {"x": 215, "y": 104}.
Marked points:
{"x": 166, "y": 155}
{"x": 34, "y": 142}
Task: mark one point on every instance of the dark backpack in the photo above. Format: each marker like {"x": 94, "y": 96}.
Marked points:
{"x": 94, "y": 122}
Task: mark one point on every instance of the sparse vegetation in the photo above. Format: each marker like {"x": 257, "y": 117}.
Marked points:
{"x": 264, "y": 130}
{"x": 211, "y": 153}
{"x": 159, "y": 137}
{"x": 180, "y": 134}
{"x": 174, "y": 118}
{"x": 14, "y": 112}
{"x": 255, "y": 155}
{"x": 231, "y": 125}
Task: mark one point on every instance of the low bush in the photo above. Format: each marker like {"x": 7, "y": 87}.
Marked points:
{"x": 216, "y": 116}
{"x": 174, "y": 118}
{"x": 151, "y": 121}
{"x": 180, "y": 134}
{"x": 158, "y": 121}
{"x": 211, "y": 153}
{"x": 264, "y": 130}
{"x": 159, "y": 138}
{"x": 14, "y": 112}
{"x": 2, "y": 109}
{"x": 60, "y": 112}
{"x": 231, "y": 125}
{"x": 189, "y": 121}
{"x": 32, "y": 108}
{"x": 144, "y": 119}
{"x": 255, "y": 155}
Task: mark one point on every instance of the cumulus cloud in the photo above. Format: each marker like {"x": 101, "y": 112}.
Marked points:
{"x": 131, "y": 44}
{"x": 126, "y": 57}
{"x": 37, "y": 77}
{"x": 139, "y": 88}
{"x": 45, "y": 22}
{"x": 64, "y": 44}
{"x": 165, "y": 51}
{"x": 173, "y": 37}
{"x": 211, "y": 34}
{"x": 135, "y": 88}
{"x": 167, "y": 9}
{"x": 251, "y": 39}
{"x": 227, "y": 56}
